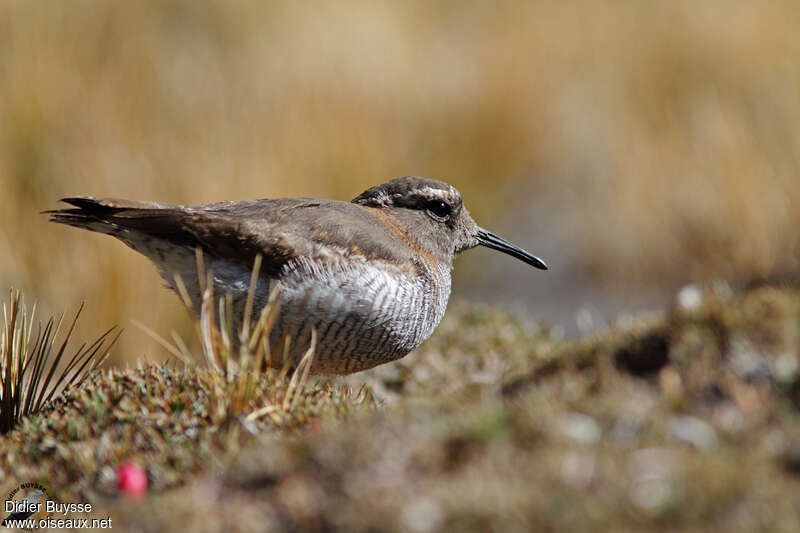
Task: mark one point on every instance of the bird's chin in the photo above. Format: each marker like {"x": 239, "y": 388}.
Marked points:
{"x": 471, "y": 242}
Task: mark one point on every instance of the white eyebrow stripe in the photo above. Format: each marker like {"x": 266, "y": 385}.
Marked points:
{"x": 382, "y": 198}
{"x": 430, "y": 192}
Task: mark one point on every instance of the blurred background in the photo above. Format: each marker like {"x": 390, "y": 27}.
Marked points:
{"x": 635, "y": 146}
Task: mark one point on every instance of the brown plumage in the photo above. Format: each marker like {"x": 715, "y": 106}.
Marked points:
{"x": 372, "y": 276}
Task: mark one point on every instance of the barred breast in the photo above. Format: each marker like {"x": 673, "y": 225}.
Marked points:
{"x": 365, "y": 312}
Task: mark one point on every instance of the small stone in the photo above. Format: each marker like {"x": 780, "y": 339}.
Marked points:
{"x": 580, "y": 428}
{"x": 655, "y": 484}
{"x": 693, "y": 431}
{"x": 690, "y": 297}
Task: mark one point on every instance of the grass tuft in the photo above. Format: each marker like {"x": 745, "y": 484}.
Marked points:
{"x": 30, "y": 369}
{"x": 239, "y": 360}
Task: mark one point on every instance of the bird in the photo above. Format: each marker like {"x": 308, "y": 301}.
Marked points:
{"x": 365, "y": 281}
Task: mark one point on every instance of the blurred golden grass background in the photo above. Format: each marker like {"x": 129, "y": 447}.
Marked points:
{"x": 634, "y": 145}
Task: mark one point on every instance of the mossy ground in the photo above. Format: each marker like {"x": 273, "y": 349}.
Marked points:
{"x": 686, "y": 421}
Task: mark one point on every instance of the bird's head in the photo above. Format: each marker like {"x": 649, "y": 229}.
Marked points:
{"x": 432, "y": 213}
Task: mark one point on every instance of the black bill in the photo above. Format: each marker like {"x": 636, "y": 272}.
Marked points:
{"x": 490, "y": 240}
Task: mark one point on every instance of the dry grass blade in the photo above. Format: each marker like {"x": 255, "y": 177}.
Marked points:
{"x": 30, "y": 371}
{"x": 248, "y": 307}
{"x": 177, "y": 349}
{"x": 183, "y": 292}
{"x": 258, "y": 413}
{"x": 300, "y": 376}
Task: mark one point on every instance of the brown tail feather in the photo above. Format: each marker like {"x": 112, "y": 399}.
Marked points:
{"x": 112, "y": 216}
{"x": 137, "y": 224}
{"x": 89, "y": 213}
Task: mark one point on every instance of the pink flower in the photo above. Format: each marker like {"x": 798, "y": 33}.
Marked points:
{"x": 131, "y": 480}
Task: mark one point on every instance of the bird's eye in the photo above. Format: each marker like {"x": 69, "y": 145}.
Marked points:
{"x": 438, "y": 209}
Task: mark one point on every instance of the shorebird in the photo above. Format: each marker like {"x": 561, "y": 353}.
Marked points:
{"x": 370, "y": 276}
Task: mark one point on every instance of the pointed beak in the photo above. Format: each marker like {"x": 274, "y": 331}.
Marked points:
{"x": 490, "y": 240}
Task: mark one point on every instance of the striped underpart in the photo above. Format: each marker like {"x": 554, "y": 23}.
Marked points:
{"x": 365, "y": 313}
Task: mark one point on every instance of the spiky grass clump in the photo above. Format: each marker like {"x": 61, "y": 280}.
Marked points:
{"x": 30, "y": 373}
